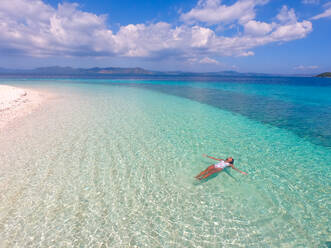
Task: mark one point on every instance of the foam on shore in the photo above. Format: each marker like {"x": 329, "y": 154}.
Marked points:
{"x": 16, "y": 103}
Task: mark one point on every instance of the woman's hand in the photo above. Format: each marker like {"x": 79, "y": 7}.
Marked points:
{"x": 218, "y": 159}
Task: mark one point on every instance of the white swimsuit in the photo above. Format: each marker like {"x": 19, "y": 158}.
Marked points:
{"x": 221, "y": 165}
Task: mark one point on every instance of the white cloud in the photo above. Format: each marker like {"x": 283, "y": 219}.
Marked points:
{"x": 291, "y": 31}
{"x": 34, "y": 28}
{"x": 204, "y": 60}
{"x": 213, "y": 12}
{"x": 308, "y": 67}
{"x": 287, "y": 15}
{"x": 207, "y": 60}
{"x": 325, "y": 14}
{"x": 141, "y": 40}
{"x": 310, "y": 1}
{"x": 258, "y": 28}
{"x": 40, "y": 30}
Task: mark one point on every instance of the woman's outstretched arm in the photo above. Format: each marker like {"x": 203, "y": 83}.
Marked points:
{"x": 238, "y": 170}
{"x": 218, "y": 159}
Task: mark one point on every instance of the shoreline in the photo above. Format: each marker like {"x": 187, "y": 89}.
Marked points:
{"x": 16, "y": 103}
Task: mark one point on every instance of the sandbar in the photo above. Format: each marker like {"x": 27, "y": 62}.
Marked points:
{"x": 16, "y": 103}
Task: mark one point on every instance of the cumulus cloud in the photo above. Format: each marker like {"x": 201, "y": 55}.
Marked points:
{"x": 325, "y": 14}
{"x": 38, "y": 29}
{"x": 33, "y": 28}
{"x": 213, "y": 12}
{"x": 287, "y": 15}
{"x": 258, "y": 28}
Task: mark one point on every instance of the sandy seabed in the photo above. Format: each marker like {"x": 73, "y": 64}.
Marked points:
{"x": 16, "y": 103}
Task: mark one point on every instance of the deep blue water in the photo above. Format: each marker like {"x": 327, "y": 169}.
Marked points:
{"x": 301, "y": 105}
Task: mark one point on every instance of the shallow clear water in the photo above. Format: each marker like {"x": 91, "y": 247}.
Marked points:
{"x": 113, "y": 165}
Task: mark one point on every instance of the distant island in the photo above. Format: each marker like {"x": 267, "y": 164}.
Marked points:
{"x": 114, "y": 71}
{"x": 324, "y": 75}
{"x": 111, "y": 72}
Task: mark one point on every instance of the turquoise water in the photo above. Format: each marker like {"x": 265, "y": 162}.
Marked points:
{"x": 112, "y": 164}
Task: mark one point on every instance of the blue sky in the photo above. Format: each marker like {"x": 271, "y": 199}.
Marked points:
{"x": 272, "y": 36}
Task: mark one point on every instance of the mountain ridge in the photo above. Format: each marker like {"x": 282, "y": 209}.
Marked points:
{"x": 125, "y": 71}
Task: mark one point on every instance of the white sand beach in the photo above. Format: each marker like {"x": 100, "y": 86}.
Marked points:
{"x": 17, "y": 102}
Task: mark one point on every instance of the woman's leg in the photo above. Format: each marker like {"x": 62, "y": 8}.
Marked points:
{"x": 211, "y": 173}
{"x": 211, "y": 167}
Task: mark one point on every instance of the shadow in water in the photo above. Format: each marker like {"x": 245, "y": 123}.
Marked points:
{"x": 226, "y": 170}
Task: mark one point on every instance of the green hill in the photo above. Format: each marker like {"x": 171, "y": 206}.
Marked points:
{"x": 325, "y": 74}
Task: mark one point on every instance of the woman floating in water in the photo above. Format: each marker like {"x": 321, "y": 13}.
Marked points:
{"x": 214, "y": 168}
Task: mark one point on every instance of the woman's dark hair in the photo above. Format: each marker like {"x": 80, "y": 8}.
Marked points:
{"x": 232, "y": 161}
